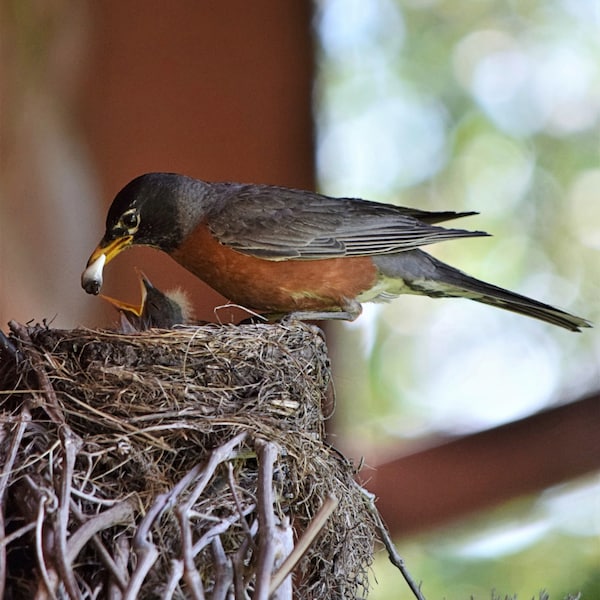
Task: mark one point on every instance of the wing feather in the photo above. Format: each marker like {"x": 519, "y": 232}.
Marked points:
{"x": 278, "y": 223}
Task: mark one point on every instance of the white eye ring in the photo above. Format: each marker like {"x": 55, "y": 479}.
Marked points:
{"x": 131, "y": 220}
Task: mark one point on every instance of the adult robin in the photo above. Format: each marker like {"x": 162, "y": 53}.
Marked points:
{"x": 279, "y": 251}
{"x": 157, "y": 309}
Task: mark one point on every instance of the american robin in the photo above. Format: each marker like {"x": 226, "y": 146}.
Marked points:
{"x": 280, "y": 251}
{"x": 157, "y": 309}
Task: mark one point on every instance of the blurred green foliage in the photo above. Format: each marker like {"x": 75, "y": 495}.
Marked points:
{"x": 513, "y": 550}
{"x": 492, "y": 107}
{"x": 488, "y": 106}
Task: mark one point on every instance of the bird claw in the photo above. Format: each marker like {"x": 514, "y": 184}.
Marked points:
{"x": 318, "y": 316}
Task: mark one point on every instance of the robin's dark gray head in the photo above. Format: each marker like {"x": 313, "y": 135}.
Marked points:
{"x": 155, "y": 209}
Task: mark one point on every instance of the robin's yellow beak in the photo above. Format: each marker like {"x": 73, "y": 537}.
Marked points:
{"x": 110, "y": 249}
{"x": 91, "y": 278}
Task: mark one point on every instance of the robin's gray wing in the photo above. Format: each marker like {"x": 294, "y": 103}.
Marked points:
{"x": 280, "y": 224}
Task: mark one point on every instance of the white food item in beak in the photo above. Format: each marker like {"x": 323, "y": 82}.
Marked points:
{"x": 91, "y": 278}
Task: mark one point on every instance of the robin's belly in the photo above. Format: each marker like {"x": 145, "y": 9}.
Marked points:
{"x": 276, "y": 286}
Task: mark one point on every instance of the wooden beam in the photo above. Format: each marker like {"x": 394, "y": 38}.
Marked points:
{"x": 214, "y": 90}
{"x": 434, "y": 486}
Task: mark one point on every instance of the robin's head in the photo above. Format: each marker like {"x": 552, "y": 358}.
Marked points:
{"x": 156, "y": 209}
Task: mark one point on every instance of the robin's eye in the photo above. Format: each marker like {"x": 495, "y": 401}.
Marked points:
{"x": 131, "y": 220}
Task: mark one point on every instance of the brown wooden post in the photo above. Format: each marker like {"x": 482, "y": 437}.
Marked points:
{"x": 218, "y": 91}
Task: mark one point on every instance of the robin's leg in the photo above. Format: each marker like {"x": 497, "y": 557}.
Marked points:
{"x": 350, "y": 310}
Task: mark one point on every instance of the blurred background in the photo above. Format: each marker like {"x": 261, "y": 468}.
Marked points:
{"x": 479, "y": 430}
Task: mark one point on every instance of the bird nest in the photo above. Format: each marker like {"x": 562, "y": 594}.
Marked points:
{"x": 174, "y": 463}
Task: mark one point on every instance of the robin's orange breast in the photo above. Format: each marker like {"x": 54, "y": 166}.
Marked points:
{"x": 275, "y": 286}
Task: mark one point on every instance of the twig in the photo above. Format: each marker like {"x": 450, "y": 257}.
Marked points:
{"x": 174, "y": 577}
{"x": 12, "y": 451}
{"x": 267, "y": 454}
{"x": 238, "y": 562}
{"x": 217, "y": 456}
{"x": 236, "y": 498}
{"x": 284, "y": 544}
{"x": 122, "y": 552}
{"x": 144, "y": 548}
{"x": 39, "y": 547}
{"x": 71, "y": 444}
{"x": 142, "y": 543}
{"x": 51, "y": 406}
{"x": 223, "y": 570}
{"x": 3, "y": 538}
{"x": 147, "y": 553}
{"x": 190, "y": 573}
{"x": 120, "y": 513}
{"x": 221, "y": 527}
{"x": 7, "y": 539}
{"x": 303, "y": 544}
{"x": 230, "y": 305}
{"x": 7, "y": 468}
{"x": 387, "y": 541}
{"x": 162, "y": 503}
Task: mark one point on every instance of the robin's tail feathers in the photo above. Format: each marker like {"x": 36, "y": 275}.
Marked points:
{"x": 437, "y": 217}
{"x": 423, "y": 274}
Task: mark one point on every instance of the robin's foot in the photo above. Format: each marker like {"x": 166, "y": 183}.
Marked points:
{"x": 350, "y": 311}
